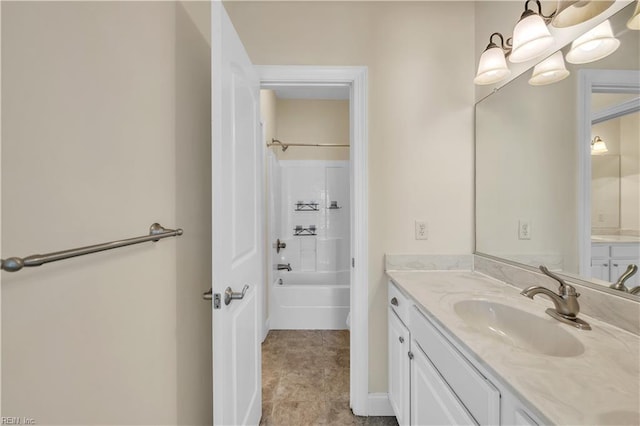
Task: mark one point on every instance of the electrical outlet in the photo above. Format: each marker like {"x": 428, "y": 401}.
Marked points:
{"x": 524, "y": 229}
{"x": 421, "y": 230}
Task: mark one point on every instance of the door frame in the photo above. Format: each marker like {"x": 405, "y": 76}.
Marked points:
{"x": 593, "y": 81}
{"x": 355, "y": 77}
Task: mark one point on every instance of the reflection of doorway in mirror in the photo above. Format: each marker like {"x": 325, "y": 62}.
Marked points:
{"x": 615, "y": 177}
{"x": 615, "y": 190}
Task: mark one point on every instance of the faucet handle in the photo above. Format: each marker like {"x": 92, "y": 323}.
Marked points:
{"x": 564, "y": 289}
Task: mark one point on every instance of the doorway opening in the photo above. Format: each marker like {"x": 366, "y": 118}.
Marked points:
{"x": 315, "y": 296}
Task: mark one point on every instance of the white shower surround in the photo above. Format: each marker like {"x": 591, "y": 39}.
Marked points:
{"x": 316, "y": 293}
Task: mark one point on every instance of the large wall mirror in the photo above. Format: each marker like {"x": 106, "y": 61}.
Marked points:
{"x": 546, "y": 193}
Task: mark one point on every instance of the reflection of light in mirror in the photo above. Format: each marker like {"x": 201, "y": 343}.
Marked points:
{"x": 593, "y": 45}
{"x": 574, "y": 12}
{"x": 634, "y": 22}
{"x": 598, "y": 147}
{"x": 551, "y": 70}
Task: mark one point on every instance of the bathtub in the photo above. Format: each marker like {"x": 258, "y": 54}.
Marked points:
{"x": 309, "y": 300}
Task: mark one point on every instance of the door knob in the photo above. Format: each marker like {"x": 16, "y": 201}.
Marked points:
{"x": 230, "y": 295}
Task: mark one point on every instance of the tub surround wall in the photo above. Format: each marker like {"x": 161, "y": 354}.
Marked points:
{"x": 615, "y": 310}
{"x": 318, "y": 183}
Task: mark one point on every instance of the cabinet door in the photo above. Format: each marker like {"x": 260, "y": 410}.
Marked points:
{"x": 432, "y": 401}
{"x": 399, "y": 368}
{"x": 618, "y": 267}
{"x": 600, "y": 269}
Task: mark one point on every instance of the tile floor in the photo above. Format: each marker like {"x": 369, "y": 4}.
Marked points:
{"x": 305, "y": 379}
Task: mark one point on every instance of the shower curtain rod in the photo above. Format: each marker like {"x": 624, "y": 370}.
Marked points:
{"x": 284, "y": 146}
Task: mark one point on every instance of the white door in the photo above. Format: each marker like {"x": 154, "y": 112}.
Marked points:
{"x": 237, "y": 227}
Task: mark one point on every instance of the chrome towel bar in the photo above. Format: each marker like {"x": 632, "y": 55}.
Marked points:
{"x": 156, "y": 232}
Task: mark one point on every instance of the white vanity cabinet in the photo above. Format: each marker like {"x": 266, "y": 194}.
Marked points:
{"x": 610, "y": 260}
{"x": 432, "y": 400}
{"x": 399, "y": 341}
{"x": 433, "y": 382}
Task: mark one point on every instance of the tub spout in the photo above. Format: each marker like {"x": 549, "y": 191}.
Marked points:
{"x": 284, "y": 266}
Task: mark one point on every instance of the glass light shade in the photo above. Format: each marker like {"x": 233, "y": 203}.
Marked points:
{"x": 574, "y": 12}
{"x": 492, "y": 67}
{"x": 593, "y": 45}
{"x": 634, "y": 22}
{"x": 549, "y": 71}
{"x": 530, "y": 38}
{"x": 598, "y": 146}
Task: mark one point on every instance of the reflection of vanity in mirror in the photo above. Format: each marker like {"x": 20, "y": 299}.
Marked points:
{"x": 542, "y": 197}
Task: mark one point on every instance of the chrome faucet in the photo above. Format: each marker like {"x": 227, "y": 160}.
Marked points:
{"x": 619, "y": 285}
{"x": 565, "y": 301}
{"x": 284, "y": 266}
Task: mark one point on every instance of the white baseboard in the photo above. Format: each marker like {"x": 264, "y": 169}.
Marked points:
{"x": 378, "y": 405}
{"x": 265, "y": 329}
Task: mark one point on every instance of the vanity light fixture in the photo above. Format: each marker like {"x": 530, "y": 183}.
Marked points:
{"x": 493, "y": 64}
{"x": 593, "y": 45}
{"x": 551, "y": 70}
{"x": 598, "y": 146}
{"x": 574, "y": 12}
{"x": 634, "y": 22}
{"x": 531, "y": 37}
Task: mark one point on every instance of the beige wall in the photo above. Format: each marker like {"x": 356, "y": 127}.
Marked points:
{"x": 420, "y": 117}
{"x": 192, "y": 142}
{"x": 313, "y": 121}
{"x": 268, "y": 113}
{"x": 102, "y": 128}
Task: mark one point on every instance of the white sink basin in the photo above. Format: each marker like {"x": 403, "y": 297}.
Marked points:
{"x": 518, "y": 328}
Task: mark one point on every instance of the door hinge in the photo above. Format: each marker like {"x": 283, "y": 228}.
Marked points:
{"x": 410, "y": 354}
{"x": 353, "y": 262}
{"x": 216, "y": 301}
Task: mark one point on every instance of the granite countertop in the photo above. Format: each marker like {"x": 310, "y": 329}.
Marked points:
{"x": 600, "y": 386}
{"x": 615, "y": 239}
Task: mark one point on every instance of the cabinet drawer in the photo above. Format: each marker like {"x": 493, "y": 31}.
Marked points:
{"x": 598, "y": 251}
{"x": 480, "y": 397}
{"x": 398, "y": 303}
{"x": 625, "y": 250}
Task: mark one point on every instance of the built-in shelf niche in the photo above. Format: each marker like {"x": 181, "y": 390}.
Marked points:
{"x": 301, "y": 231}
{"x": 306, "y": 207}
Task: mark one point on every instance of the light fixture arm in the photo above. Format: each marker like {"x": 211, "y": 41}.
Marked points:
{"x": 528, "y": 12}
{"x": 504, "y": 44}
